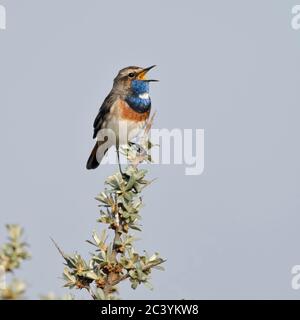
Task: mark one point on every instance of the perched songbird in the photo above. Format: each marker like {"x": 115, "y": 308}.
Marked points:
{"x": 123, "y": 113}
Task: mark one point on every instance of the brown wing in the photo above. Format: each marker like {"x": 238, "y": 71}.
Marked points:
{"x": 103, "y": 111}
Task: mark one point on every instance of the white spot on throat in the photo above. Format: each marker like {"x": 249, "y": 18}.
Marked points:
{"x": 144, "y": 95}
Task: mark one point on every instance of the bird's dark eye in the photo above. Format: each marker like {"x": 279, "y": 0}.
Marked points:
{"x": 131, "y": 75}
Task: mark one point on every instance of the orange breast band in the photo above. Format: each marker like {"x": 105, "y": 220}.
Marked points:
{"x": 127, "y": 113}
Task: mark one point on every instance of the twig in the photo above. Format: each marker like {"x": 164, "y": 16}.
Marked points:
{"x": 146, "y": 268}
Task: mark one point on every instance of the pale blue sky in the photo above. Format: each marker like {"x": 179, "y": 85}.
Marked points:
{"x": 229, "y": 67}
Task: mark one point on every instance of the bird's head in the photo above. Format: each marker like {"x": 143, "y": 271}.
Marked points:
{"x": 133, "y": 81}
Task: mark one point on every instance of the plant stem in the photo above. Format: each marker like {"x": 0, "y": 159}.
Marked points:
{"x": 148, "y": 267}
{"x": 117, "y": 237}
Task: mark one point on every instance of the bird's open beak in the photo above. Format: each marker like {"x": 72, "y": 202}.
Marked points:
{"x": 142, "y": 74}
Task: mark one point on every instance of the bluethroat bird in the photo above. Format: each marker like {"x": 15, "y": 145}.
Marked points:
{"x": 123, "y": 113}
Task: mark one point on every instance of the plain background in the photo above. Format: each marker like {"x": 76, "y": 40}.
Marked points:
{"x": 229, "y": 67}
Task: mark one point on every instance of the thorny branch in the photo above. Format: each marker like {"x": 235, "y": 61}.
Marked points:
{"x": 116, "y": 261}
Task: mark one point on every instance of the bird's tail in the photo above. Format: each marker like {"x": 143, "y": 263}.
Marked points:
{"x": 96, "y": 156}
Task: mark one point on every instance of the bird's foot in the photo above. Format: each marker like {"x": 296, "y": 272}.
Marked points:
{"x": 138, "y": 147}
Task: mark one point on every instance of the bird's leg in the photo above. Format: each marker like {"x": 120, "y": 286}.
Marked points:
{"x": 125, "y": 176}
{"x": 118, "y": 155}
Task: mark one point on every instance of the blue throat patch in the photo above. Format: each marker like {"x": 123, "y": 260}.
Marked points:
{"x": 134, "y": 100}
